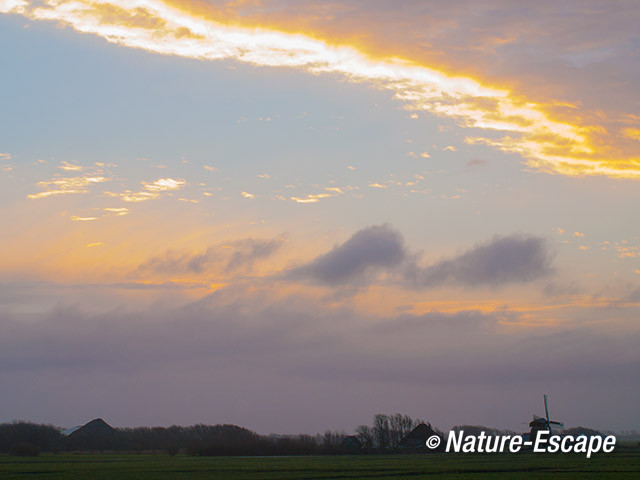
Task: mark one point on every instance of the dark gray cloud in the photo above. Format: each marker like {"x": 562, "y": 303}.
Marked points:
{"x": 229, "y": 257}
{"x": 246, "y": 252}
{"x": 374, "y": 247}
{"x": 380, "y": 249}
{"x": 503, "y": 260}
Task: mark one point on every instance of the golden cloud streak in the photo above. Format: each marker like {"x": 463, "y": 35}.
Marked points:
{"x": 529, "y": 130}
{"x": 164, "y": 184}
{"x": 152, "y": 190}
{"x": 311, "y": 198}
{"x": 70, "y": 167}
{"x": 65, "y": 186}
{"x": 120, "y": 212}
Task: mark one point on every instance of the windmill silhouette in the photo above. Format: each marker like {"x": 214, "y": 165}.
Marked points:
{"x": 542, "y": 423}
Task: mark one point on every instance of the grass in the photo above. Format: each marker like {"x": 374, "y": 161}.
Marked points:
{"x": 622, "y": 464}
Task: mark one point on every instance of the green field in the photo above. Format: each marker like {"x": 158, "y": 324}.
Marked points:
{"x": 623, "y": 464}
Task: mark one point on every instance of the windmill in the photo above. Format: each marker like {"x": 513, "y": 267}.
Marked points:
{"x": 542, "y": 423}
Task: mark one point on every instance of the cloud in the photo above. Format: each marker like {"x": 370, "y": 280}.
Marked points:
{"x": 501, "y": 261}
{"x": 120, "y": 212}
{"x": 133, "y": 197}
{"x": 632, "y": 133}
{"x": 164, "y": 184}
{"x": 549, "y": 135}
{"x": 378, "y": 246}
{"x": 316, "y": 197}
{"x": 286, "y": 354}
{"x": 66, "y": 186}
{"x": 247, "y": 252}
{"x": 381, "y": 249}
{"x": 151, "y": 191}
{"x": 70, "y": 167}
{"x": 223, "y": 258}
{"x": 13, "y": 6}
{"x": 137, "y": 17}
{"x": 311, "y": 198}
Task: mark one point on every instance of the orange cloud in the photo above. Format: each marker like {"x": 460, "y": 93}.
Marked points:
{"x": 524, "y": 126}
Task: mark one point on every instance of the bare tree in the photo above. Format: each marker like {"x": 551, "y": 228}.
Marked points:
{"x": 382, "y": 431}
{"x": 400, "y": 425}
{"x": 365, "y": 434}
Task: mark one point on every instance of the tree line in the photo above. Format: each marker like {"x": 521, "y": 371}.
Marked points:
{"x": 384, "y": 435}
{"x": 29, "y": 439}
{"x": 26, "y": 438}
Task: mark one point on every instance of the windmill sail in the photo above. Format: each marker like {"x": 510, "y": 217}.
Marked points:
{"x": 546, "y": 412}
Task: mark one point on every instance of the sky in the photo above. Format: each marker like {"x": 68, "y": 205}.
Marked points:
{"x": 291, "y": 216}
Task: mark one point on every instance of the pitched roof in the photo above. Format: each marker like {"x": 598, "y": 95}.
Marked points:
{"x": 97, "y": 426}
{"x": 421, "y": 432}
